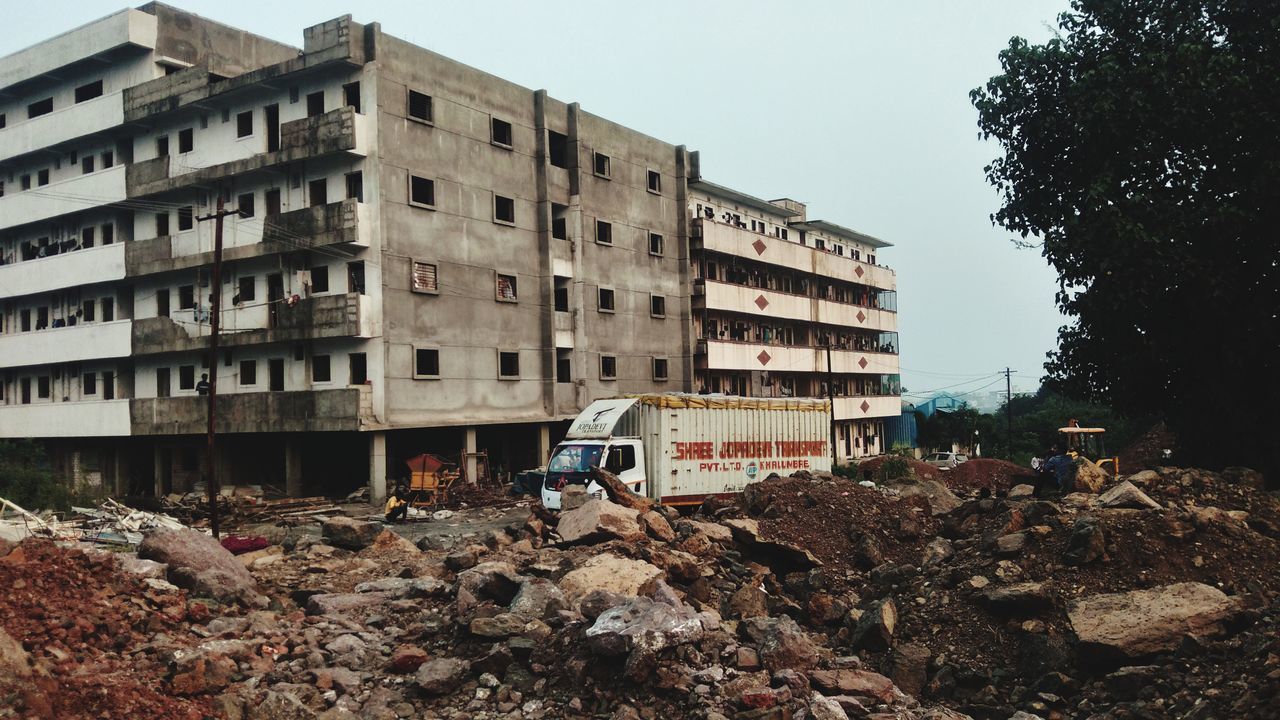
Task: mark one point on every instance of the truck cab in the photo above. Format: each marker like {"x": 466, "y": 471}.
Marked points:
{"x": 571, "y": 464}
{"x": 595, "y": 439}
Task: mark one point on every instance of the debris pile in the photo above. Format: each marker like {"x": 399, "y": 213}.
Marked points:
{"x": 802, "y": 597}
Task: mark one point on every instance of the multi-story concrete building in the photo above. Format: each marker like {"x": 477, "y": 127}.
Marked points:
{"x": 424, "y": 257}
{"x": 784, "y": 306}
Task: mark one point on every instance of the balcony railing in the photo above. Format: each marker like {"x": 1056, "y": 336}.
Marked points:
{"x": 102, "y": 418}
{"x": 739, "y": 242}
{"x": 288, "y": 411}
{"x": 340, "y": 130}
{"x": 64, "y": 270}
{"x": 323, "y": 316}
{"x": 731, "y": 355}
{"x": 75, "y": 343}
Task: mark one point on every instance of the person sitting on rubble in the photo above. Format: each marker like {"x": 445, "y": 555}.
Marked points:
{"x": 398, "y": 503}
{"x": 202, "y": 387}
{"x": 1057, "y": 471}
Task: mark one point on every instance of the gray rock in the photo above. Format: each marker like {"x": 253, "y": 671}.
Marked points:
{"x": 1011, "y": 544}
{"x": 1127, "y": 495}
{"x": 337, "y": 603}
{"x": 497, "y": 581}
{"x": 937, "y": 551}
{"x": 874, "y": 630}
{"x": 1142, "y": 622}
{"x": 350, "y": 534}
{"x": 498, "y": 626}
{"x": 1022, "y": 492}
{"x": 279, "y": 706}
{"x": 1087, "y": 542}
{"x": 910, "y": 667}
{"x": 822, "y": 707}
{"x": 781, "y": 644}
{"x": 599, "y": 520}
{"x": 645, "y": 625}
{"x": 538, "y": 598}
{"x": 1018, "y": 599}
{"x": 461, "y": 559}
{"x": 442, "y": 675}
{"x": 199, "y": 563}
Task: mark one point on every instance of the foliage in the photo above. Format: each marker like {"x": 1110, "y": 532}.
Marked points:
{"x": 1036, "y": 419}
{"x": 26, "y": 478}
{"x": 894, "y": 468}
{"x": 1139, "y": 148}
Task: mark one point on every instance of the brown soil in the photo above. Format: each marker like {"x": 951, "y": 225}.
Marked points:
{"x": 84, "y": 623}
{"x": 986, "y": 473}
{"x": 919, "y": 468}
{"x": 1147, "y": 452}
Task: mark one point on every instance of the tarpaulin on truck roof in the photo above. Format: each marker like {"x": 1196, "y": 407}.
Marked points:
{"x": 731, "y": 402}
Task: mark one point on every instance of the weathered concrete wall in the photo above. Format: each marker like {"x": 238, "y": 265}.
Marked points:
{"x": 301, "y": 411}
{"x": 465, "y": 321}
{"x": 223, "y": 49}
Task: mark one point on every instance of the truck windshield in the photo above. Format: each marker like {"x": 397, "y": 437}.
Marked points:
{"x": 575, "y": 459}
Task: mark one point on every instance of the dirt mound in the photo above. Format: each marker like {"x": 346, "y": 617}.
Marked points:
{"x": 986, "y": 473}
{"x": 830, "y": 518}
{"x": 875, "y": 466}
{"x": 90, "y": 629}
{"x": 1147, "y": 452}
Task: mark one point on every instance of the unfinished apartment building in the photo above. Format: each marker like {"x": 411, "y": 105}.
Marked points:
{"x": 421, "y": 257}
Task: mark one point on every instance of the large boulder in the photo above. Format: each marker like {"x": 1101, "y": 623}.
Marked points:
{"x": 1142, "y": 622}
{"x": 348, "y": 533}
{"x": 608, "y": 572}
{"x": 874, "y": 629}
{"x": 1087, "y": 542}
{"x": 599, "y": 520}
{"x": 497, "y": 581}
{"x": 781, "y": 643}
{"x": 645, "y": 625}
{"x": 200, "y": 564}
{"x": 1089, "y": 477}
{"x": 538, "y": 599}
{"x": 1127, "y": 495}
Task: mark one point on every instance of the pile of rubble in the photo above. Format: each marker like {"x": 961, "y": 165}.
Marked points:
{"x": 803, "y": 597}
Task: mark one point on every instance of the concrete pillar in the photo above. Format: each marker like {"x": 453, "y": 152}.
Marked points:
{"x": 120, "y": 472}
{"x": 293, "y": 467}
{"x": 161, "y": 470}
{"x": 378, "y": 467}
{"x": 544, "y": 443}
{"x": 470, "y": 455}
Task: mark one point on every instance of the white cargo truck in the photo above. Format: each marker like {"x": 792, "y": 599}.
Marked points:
{"x": 681, "y": 449}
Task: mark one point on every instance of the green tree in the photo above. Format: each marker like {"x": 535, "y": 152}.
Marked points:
{"x": 1141, "y": 149}
{"x": 26, "y": 478}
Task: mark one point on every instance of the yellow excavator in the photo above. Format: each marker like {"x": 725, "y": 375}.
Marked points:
{"x": 1088, "y": 443}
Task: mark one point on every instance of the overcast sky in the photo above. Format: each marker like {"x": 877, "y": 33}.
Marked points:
{"x": 859, "y": 109}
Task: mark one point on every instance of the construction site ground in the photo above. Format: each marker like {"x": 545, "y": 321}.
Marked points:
{"x": 937, "y": 596}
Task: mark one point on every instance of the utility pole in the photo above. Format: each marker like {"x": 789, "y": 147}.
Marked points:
{"x": 1008, "y": 411}
{"x": 831, "y": 401}
{"x": 215, "y": 314}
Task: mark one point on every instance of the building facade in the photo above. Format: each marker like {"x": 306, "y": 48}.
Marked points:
{"x": 422, "y": 258}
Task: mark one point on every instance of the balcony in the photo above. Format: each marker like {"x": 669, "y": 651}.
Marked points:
{"x": 861, "y": 408}
{"x": 62, "y": 197}
{"x": 103, "y": 418}
{"x": 290, "y": 411}
{"x": 323, "y": 316}
{"x": 337, "y": 131}
{"x": 733, "y": 355}
{"x": 98, "y": 39}
{"x": 345, "y": 222}
{"x": 70, "y": 269}
{"x": 62, "y": 125}
{"x": 730, "y": 240}
{"x": 773, "y": 304}
{"x": 89, "y": 341}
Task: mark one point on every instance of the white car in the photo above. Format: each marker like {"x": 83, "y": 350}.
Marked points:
{"x": 946, "y": 460}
